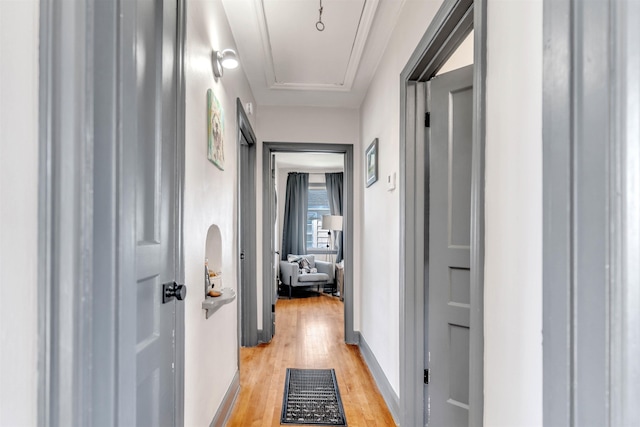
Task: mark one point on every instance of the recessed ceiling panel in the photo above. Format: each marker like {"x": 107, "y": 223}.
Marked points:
{"x": 302, "y": 55}
{"x": 288, "y": 62}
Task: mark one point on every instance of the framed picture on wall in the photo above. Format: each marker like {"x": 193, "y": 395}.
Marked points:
{"x": 215, "y": 130}
{"x": 371, "y": 163}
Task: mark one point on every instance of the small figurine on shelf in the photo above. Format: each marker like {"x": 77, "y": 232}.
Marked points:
{"x": 214, "y": 293}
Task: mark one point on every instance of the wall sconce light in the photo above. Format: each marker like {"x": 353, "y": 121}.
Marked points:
{"x": 228, "y": 59}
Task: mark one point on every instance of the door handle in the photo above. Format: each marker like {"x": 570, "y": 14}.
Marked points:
{"x": 173, "y": 290}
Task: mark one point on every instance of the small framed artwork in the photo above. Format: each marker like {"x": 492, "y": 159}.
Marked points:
{"x": 215, "y": 130}
{"x": 371, "y": 163}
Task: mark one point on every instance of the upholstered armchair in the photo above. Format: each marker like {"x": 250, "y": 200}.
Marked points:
{"x": 305, "y": 270}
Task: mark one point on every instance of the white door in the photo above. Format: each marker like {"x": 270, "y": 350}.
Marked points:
{"x": 447, "y": 341}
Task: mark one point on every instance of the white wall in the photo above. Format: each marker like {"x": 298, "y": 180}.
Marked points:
{"x": 19, "y": 30}
{"x": 513, "y": 239}
{"x": 210, "y": 197}
{"x": 380, "y": 243}
{"x": 308, "y": 124}
{"x": 462, "y": 56}
{"x": 319, "y": 125}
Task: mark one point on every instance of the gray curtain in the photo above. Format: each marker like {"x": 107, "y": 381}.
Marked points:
{"x": 334, "y": 193}
{"x": 295, "y": 215}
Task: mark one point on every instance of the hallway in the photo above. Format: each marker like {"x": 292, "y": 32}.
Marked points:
{"x": 309, "y": 334}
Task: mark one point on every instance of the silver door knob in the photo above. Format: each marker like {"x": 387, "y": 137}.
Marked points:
{"x": 173, "y": 290}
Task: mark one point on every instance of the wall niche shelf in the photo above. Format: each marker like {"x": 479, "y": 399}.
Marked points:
{"x": 213, "y": 273}
{"x": 213, "y": 304}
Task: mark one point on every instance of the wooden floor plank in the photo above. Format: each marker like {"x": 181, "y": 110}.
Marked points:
{"x": 309, "y": 335}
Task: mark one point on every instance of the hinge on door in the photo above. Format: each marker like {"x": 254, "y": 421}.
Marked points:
{"x": 427, "y": 119}
{"x": 427, "y": 376}
{"x": 273, "y": 308}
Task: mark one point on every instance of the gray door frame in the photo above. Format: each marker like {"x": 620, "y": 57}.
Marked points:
{"x": 86, "y": 246}
{"x": 591, "y": 237}
{"x": 447, "y": 30}
{"x": 268, "y": 149}
{"x": 247, "y": 256}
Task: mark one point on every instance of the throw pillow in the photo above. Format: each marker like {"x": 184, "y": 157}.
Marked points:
{"x": 303, "y": 264}
{"x": 293, "y": 258}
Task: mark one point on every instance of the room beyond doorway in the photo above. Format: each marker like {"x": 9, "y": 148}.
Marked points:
{"x": 270, "y": 234}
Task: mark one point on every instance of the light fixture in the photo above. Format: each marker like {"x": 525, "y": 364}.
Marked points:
{"x": 320, "y": 24}
{"x": 228, "y": 59}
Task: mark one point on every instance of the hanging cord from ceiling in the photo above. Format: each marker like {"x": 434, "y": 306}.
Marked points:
{"x": 320, "y": 24}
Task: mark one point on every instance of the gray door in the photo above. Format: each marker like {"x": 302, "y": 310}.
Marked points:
{"x": 248, "y": 290}
{"x": 451, "y": 98}
{"x": 154, "y": 119}
{"x": 275, "y": 257}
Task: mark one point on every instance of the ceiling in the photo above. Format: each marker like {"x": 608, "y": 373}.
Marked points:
{"x": 289, "y": 62}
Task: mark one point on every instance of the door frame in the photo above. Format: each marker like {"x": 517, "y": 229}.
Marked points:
{"x": 269, "y": 148}
{"x": 248, "y": 292}
{"x": 591, "y": 241}
{"x": 85, "y": 243}
{"x": 447, "y": 30}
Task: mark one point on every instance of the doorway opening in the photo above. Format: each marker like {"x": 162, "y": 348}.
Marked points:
{"x": 455, "y": 20}
{"x": 308, "y": 189}
{"x": 272, "y": 236}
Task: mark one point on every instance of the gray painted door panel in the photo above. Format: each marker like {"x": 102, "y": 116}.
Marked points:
{"x": 451, "y": 100}
{"x": 248, "y": 289}
{"x": 275, "y": 258}
{"x": 155, "y": 103}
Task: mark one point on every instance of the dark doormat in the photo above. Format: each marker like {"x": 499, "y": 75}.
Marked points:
{"x": 311, "y": 397}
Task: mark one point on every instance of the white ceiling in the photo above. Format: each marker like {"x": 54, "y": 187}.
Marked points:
{"x": 289, "y": 62}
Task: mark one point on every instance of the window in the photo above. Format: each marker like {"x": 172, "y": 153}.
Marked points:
{"x": 318, "y": 205}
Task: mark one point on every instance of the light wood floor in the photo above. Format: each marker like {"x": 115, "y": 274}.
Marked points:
{"x": 309, "y": 334}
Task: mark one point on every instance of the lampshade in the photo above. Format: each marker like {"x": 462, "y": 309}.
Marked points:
{"x": 332, "y": 222}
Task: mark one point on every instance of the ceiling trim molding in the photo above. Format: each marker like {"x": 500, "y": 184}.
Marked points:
{"x": 362, "y": 34}
{"x": 269, "y": 69}
{"x": 366, "y": 19}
